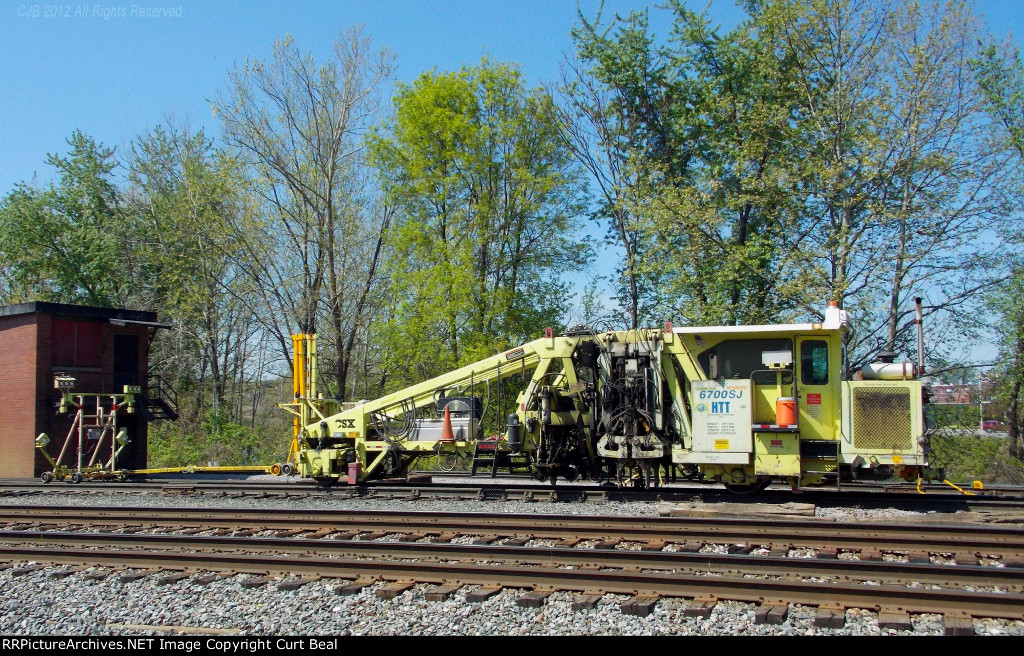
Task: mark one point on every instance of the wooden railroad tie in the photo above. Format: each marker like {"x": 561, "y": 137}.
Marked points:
{"x": 607, "y": 544}
{"x": 27, "y": 569}
{"x": 486, "y": 539}
{"x": 700, "y": 607}
{"x": 296, "y": 583}
{"x": 919, "y": 557}
{"x": 64, "y": 573}
{"x": 97, "y": 575}
{"x": 830, "y": 617}
{"x": 894, "y": 618}
{"x": 654, "y": 545}
{"x": 444, "y": 537}
{"x": 964, "y": 558}
{"x": 171, "y": 578}
{"x": 441, "y": 592}
{"x": 771, "y": 612}
{"x": 828, "y": 553}
{"x": 392, "y": 590}
{"x": 353, "y": 587}
{"x": 412, "y": 537}
{"x": 639, "y": 605}
{"x": 373, "y": 536}
{"x": 519, "y": 541}
{"x": 257, "y": 582}
{"x": 533, "y": 598}
{"x": 586, "y": 601}
{"x": 569, "y": 543}
{"x": 483, "y": 594}
{"x": 128, "y": 577}
{"x": 207, "y": 579}
{"x": 348, "y": 535}
{"x": 957, "y": 625}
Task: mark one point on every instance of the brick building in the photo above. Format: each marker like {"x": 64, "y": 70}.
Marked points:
{"x": 103, "y": 349}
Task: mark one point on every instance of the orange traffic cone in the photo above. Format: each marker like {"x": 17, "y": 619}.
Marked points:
{"x": 447, "y": 434}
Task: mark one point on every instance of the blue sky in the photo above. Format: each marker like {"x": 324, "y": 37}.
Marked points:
{"x": 101, "y": 68}
{"x": 115, "y": 76}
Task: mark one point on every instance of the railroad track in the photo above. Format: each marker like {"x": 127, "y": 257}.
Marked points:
{"x": 700, "y": 559}
{"x": 1006, "y": 542}
{"x": 935, "y": 498}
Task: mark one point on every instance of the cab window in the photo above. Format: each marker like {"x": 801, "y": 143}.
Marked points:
{"x": 738, "y": 358}
{"x": 814, "y": 362}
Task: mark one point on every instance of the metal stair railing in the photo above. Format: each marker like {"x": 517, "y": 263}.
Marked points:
{"x": 163, "y": 398}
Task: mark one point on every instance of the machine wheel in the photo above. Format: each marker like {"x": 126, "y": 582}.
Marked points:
{"x": 690, "y": 472}
{"x": 287, "y": 469}
{"x": 76, "y": 477}
{"x": 748, "y": 488}
{"x": 275, "y": 469}
{"x": 46, "y": 477}
{"x": 122, "y": 476}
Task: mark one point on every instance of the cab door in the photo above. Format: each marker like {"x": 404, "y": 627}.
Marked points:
{"x": 817, "y": 366}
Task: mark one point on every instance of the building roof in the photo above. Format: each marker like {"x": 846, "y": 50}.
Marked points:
{"x": 77, "y": 311}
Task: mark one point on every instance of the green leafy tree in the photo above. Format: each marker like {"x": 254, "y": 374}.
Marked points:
{"x": 1001, "y": 75}
{"x": 486, "y": 198}
{"x": 593, "y": 132}
{"x": 707, "y": 122}
{"x": 821, "y": 150}
{"x": 68, "y": 242}
{"x": 902, "y": 174}
{"x": 186, "y": 199}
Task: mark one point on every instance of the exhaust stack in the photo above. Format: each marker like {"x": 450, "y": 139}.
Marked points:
{"x": 920, "y": 337}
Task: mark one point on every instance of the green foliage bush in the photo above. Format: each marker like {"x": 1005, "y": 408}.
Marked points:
{"x": 968, "y": 458}
{"x": 214, "y": 441}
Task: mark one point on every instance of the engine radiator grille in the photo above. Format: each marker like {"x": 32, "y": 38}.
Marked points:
{"x": 881, "y": 419}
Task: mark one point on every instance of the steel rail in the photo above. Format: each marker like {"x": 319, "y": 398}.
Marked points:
{"x": 1007, "y": 541}
{"x": 660, "y": 583}
{"x": 874, "y": 496}
{"x": 722, "y": 564}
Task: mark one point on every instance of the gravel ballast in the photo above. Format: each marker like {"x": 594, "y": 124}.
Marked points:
{"x": 39, "y": 604}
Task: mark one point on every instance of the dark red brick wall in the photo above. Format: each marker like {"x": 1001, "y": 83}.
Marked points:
{"x": 18, "y": 396}
{"x": 29, "y": 401}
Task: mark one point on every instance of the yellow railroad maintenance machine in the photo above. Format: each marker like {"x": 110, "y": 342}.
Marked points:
{"x": 743, "y": 405}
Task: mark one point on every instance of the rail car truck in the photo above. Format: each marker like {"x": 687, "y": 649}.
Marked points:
{"x": 741, "y": 405}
